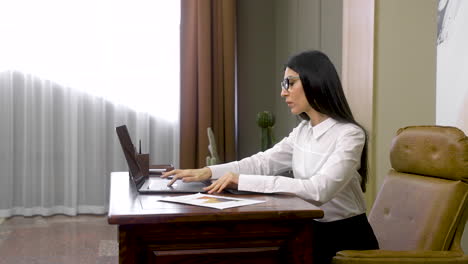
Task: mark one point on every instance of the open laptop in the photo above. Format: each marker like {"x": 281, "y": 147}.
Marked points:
{"x": 153, "y": 184}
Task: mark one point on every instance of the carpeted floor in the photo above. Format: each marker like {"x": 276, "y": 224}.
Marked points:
{"x": 58, "y": 239}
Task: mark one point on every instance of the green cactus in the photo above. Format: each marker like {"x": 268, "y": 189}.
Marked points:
{"x": 266, "y": 121}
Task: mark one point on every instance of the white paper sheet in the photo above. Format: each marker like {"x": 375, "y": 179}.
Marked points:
{"x": 213, "y": 201}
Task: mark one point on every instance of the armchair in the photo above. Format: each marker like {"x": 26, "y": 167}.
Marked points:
{"x": 421, "y": 209}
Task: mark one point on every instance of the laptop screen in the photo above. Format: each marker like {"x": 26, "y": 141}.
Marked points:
{"x": 130, "y": 155}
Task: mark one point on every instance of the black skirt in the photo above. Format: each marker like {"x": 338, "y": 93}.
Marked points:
{"x": 354, "y": 233}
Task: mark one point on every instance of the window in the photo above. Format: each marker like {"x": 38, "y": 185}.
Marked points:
{"x": 126, "y": 51}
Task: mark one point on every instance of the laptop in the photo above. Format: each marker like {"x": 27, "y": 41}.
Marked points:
{"x": 151, "y": 184}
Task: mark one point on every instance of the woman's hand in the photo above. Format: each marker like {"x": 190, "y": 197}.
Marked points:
{"x": 228, "y": 180}
{"x": 188, "y": 175}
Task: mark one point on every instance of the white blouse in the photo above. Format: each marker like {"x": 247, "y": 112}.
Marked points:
{"x": 324, "y": 159}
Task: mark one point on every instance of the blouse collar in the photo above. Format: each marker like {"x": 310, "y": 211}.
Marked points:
{"x": 320, "y": 129}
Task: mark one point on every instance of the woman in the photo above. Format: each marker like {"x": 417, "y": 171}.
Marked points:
{"x": 327, "y": 153}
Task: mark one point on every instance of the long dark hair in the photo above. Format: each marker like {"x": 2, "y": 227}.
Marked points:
{"x": 323, "y": 90}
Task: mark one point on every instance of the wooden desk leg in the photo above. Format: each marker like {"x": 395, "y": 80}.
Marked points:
{"x": 127, "y": 246}
{"x": 301, "y": 246}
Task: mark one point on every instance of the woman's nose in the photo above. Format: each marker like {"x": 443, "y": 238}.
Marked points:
{"x": 284, "y": 93}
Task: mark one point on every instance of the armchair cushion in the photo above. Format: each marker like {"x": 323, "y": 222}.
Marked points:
{"x": 436, "y": 151}
{"x": 413, "y": 212}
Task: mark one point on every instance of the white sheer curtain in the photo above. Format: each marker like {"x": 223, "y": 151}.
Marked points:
{"x": 64, "y": 89}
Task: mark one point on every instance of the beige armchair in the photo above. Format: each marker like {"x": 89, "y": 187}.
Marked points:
{"x": 420, "y": 212}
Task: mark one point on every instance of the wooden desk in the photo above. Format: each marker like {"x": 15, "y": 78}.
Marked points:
{"x": 277, "y": 231}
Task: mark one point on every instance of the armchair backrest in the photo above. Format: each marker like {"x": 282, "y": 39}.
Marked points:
{"x": 422, "y": 204}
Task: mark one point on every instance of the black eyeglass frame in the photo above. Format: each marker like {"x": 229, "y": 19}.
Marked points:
{"x": 285, "y": 82}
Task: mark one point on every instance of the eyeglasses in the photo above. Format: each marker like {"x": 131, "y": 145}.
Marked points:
{"x": 285, "y": 83}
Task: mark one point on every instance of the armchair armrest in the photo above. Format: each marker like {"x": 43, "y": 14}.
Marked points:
{"x": 398, "y": 254}
{"x": 388, "y": 256}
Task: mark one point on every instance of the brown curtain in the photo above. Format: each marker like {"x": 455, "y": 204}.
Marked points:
{"x": 208, "y": 45}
